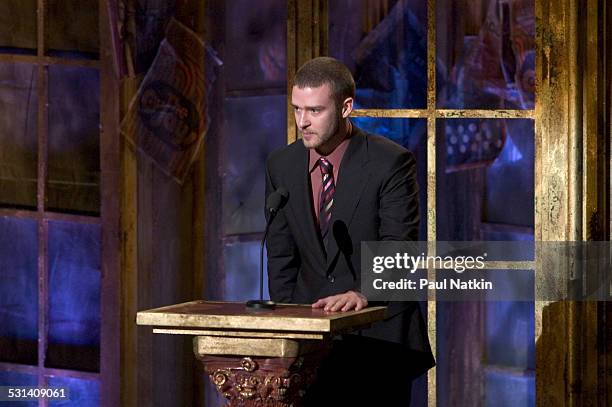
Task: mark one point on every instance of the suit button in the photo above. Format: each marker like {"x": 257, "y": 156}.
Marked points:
{"x": 331, "y": 279}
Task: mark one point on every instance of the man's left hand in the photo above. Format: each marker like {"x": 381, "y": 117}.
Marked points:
{"x": 348, "y": 301}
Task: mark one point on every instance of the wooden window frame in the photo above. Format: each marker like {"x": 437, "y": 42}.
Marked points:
{"x": 570, "y": 191}
{"x": 108, "y": 220}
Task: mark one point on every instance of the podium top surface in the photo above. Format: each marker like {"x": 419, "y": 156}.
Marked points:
{"x": 235, "y": 316}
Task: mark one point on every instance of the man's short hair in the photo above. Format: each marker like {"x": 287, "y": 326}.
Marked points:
{"x": 322, "y": 70}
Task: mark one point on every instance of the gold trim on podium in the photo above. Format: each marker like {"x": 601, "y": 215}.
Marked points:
{"x": 228, "y": 316}
{"x": 240, "y": 334}
{"x": 260, "y": 347}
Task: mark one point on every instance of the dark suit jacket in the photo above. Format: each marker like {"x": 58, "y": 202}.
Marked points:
{"x": 376, "y": 198}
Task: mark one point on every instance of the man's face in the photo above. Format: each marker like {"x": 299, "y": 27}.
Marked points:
{"x": 316, "y": 115}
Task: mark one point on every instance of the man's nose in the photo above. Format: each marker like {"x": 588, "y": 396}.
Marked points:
{"x": 302, "y": 120}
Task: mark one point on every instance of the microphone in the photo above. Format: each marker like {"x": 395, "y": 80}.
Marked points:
{"x": 276, "y": 200}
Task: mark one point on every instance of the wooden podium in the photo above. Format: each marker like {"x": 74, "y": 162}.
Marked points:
{"x": 258, "y": 357}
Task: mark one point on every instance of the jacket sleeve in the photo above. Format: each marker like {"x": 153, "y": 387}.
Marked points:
{"x": 283, "y": 256}
{"x": 399, "y": 201}
{"x": 398, "y": 209}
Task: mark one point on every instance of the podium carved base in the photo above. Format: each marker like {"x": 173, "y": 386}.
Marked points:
{"x": 260, "y": 381}
{"x": 259, "y": 358}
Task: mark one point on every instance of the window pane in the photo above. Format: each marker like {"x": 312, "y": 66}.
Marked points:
{"x": 74, "y": 296}
{"x": 507, "y": 389}
{"x": 485, "y": 184}
{"x": 254, "y": 126}
{"x": 18, "y": 26}
{"x": 486, "y": 54}
{"x": 73, "y": 26}
{"x": 18, "y": 379}
{"x": 18, "y": 291}
{"x": 83, "y": 393}
{"x": 256, "y": 44}
{"x": 74, "y": 140}
{"x": 510, "y": 330}
{"x": 510, "y": 179}
{"x": 384, "y": 44}
{"x": 241, "y": 262}
{"x": 412, "y": 134}
{"x": 18, "y": 135}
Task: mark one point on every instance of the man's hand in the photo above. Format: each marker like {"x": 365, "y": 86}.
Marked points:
{"x": 350, "y": 300}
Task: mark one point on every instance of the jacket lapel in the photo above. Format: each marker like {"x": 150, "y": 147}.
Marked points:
{"x": 351, "y": 181}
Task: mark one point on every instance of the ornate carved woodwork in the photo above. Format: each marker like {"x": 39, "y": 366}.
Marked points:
{"x": 267, "y": 382}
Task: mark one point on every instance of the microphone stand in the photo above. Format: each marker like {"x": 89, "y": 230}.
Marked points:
{"x": 262, "y": 304}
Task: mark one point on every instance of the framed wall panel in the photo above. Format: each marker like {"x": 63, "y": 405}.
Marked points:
{"x": 18, "y": 28}
{"x": 74, "y": 296}
{"x": 73, "y": 171}
{"x": 18, "y": 135}
{"x": 18, "y": 291}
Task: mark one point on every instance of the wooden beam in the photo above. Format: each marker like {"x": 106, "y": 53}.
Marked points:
{"x": 49, "y": 60}
{"x": 54, "y": 216}
{"x": 110, "y": 194}
{"x": 572, "y": 184}
{"x": 307, "y": 38}
{"x": 129, "y": 261}
{"x": 43, "y": 226}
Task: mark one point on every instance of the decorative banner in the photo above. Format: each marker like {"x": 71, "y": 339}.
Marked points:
{"x": 167, "y": 118}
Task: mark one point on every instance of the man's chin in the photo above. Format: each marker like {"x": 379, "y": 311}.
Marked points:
{"x": 310, "y": 144}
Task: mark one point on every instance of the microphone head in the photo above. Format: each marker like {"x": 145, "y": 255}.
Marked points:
{"x": 277, "y": 200}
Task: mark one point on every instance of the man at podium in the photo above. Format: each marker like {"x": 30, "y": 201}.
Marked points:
{"x": 345, "y": 186}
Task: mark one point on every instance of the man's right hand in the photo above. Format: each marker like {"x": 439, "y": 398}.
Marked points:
{"x": 348, "y": 301}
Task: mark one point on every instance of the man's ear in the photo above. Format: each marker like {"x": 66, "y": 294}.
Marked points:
{"x": 347, "y": 107}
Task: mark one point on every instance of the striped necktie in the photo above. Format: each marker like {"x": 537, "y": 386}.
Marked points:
{"x": 327, "y": 195}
